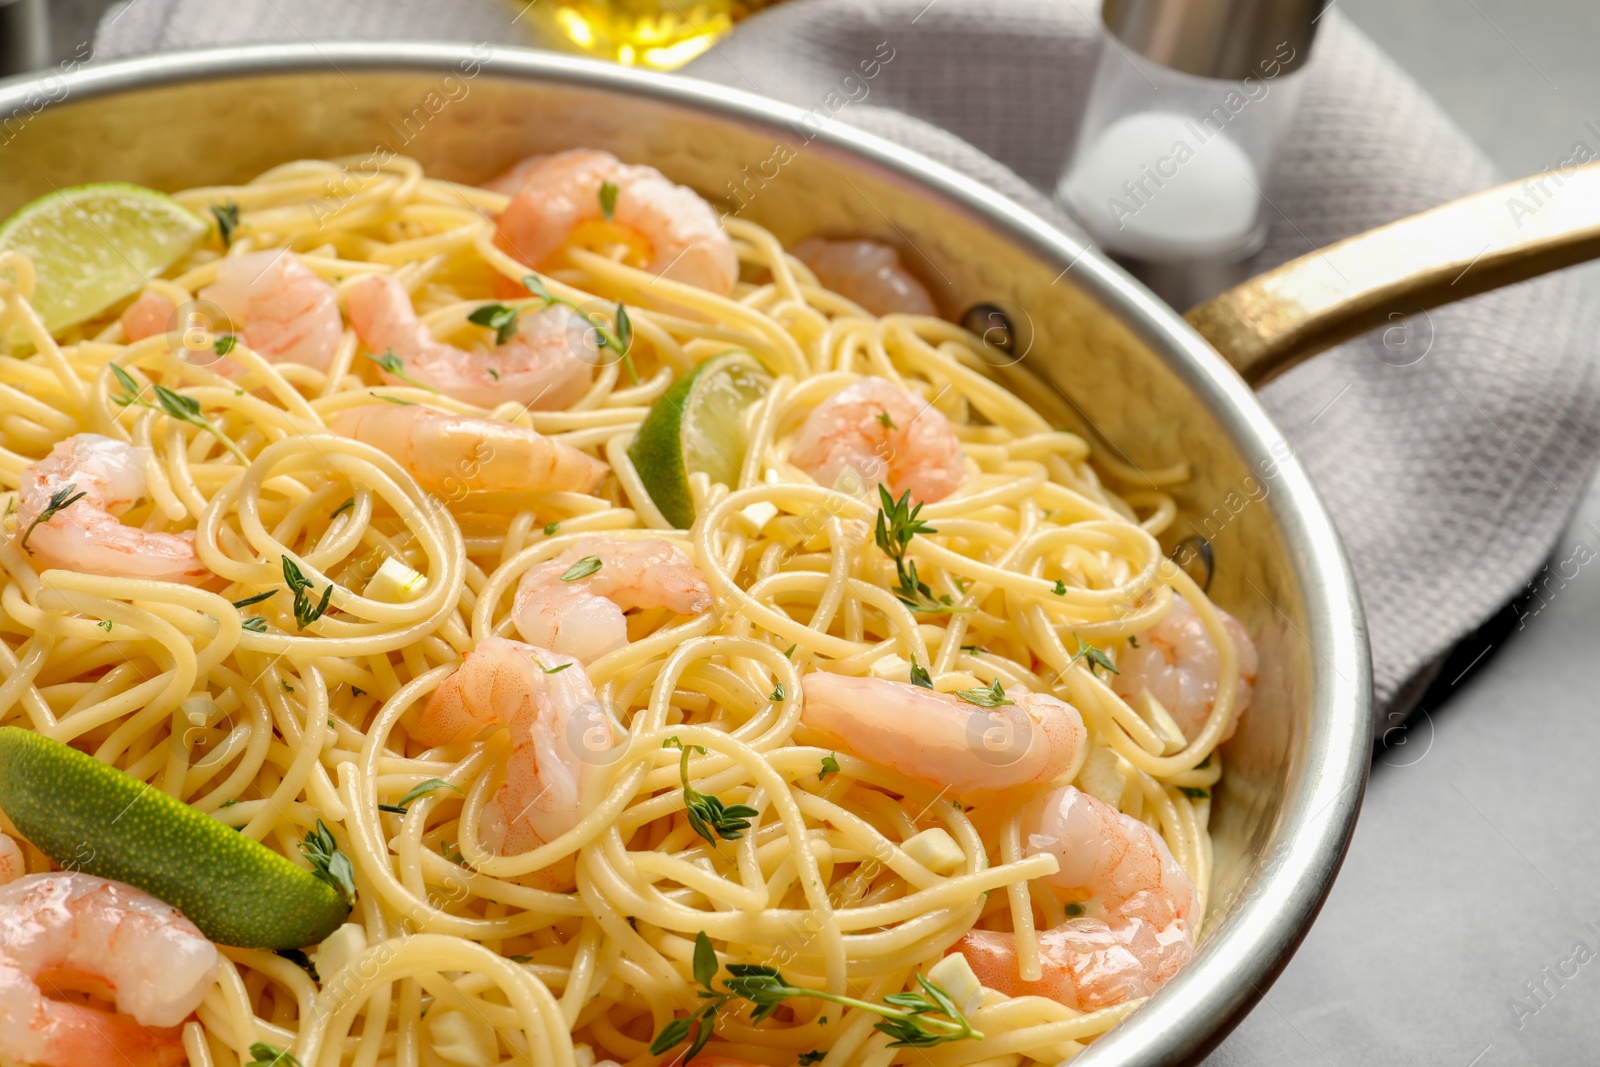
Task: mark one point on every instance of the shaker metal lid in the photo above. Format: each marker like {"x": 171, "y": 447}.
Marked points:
{"x": 1217, "y": 38}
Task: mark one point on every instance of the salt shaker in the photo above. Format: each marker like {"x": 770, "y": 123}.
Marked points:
{"x": 1189, "y": 103}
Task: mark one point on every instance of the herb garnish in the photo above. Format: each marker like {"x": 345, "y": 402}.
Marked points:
{"x": 1095, "y": 656}
{"x": 897, "y": 525}
{"x": 227, "y": 216}
{"x": 920, "y": 675}
{"x": 885, "y": 420}
{"x": 224, "y": 344}
{"x": 328, "y": 863}
{"x": 258, "y": 598}
{"x": 501, "y": 318}
{"x": 777, "y": 693}
{"x": 342, "y": 508}
{"x": 255, "y": 623}
{"x": 707, "y": 815}
{"x": 581, "y": 569}
{"x": 1060, "y": 588}
{"x": 551, "y": 528}
{"x": 830, "y": 765}
{"x": 60, "y": 500}
{"x": 395, "y": 366}
{"x": 174, "y": 405}
{"x": 703, "y": 1021}
{"x": 608, "y": 200}
{"x": 619, "y": 339}
{"x": 992, "y": 697}
{"x": 271, "y": 1056}
{"x": 306, "y": 611}
{"x": 421, "y": 789}
{"x": 104, "y": 624}
{"x": 1193, "y": 793}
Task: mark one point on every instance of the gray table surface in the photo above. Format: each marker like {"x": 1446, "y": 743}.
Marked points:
{"x": 1464, "y": 929}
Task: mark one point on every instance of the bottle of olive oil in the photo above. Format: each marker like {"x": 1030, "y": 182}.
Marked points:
{"x": 664, "y": 34}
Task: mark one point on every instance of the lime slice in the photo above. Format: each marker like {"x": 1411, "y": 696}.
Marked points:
{"x": 93, "y": 818}
{"x": 694, "y": 426}
{"x": 93, "y": 245}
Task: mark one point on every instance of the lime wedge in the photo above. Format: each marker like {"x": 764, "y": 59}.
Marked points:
{"x": 694, "y": 426}
{"x": 93, "y": 818}
{"x": 93, "y": 245}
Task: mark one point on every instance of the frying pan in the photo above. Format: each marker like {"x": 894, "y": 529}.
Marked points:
{"x": 1087, "y": 345}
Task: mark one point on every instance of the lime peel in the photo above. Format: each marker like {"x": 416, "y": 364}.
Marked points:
{"x": 694, "y": 427}
{"x": 95, "y": 245}
{"x": 91, "y": 817}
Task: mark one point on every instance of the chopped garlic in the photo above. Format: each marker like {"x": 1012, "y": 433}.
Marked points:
{"x": 954, "y": 975}
{"x": 893, "y": 668}
{"x": 396, "y": 583}
{"x": 756, "y": 516}
{"x": 936, "y": 850}
{"x": 339, "y": 949}
{"x": 463, "y": 1041}
{"x": 1161, "y": 722}
{"x": 1101, "y": 776}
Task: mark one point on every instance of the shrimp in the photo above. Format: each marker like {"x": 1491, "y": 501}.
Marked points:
{"x": 1146, "y": 899}
{"x": 1176, "y": 663}
{"x": 874, "y": 432}
{"x": 867, "y": 273}
{"x": 85, "y": 535}
{"x": 13, "y": 864}
{"x": 547, "y": 366}
{"x": 77, "y": 931}
{"x": 283, "y": 310}
{"x": 941, "y": 739}
{"x": 460, "y": 454}
{"x": 583, "y": 616}
{"x": 560, "y": 734}
{"x": 146, "y": 316}
{"x": 557, "y": 197}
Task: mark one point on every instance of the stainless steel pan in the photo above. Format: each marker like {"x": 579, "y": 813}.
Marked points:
{"x": 1092, "y": 348}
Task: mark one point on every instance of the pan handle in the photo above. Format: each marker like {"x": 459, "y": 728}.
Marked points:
{"x": 1468, "y": 246}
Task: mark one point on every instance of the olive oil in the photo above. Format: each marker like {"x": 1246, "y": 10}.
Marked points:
{"x": 664, "y": 34}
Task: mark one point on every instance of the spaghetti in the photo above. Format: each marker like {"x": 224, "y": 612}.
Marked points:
{"x": 1034, "y": 576}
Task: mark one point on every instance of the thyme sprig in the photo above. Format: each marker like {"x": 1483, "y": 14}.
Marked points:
{"x": 307, "y": 610}
{"x": 60, "y": 500}
{"x": 912, "y": 1019}
{"x": 898, "y": 523}
{"x": 619, "y": 338}
{"x": 708, "y": 816}
{"x": 173, "y": 404}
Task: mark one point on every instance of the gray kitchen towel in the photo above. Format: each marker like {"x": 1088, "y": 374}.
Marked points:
{"x": 1451, "y": 449}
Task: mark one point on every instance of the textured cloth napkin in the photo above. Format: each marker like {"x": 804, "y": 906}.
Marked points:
{"x": 1450, "y": 477}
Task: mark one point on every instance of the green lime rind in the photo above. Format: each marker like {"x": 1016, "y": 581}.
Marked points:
{"x": 693, "y": 426}
{"x": 90, "y": 817}
{"x": 94, "y": 245}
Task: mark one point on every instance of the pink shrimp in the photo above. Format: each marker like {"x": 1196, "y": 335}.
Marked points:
{"x": 1142, "y": 935}
{"x": 867, "y": 273}
{"x": 72, "y": 930}
{"x": 552, "y": 196}
{"x": 1176, "y": 663}
{"x": 547, "y": 365}
{"x": 13, "y": 864}
{"x": 280, "y": 307}
{"x": 458, "y": 454}
{"x": 943, "y": 740}
{"x": 147, "y": 316}
{"x": 97, "y": 478}
{"x": 583, "y": 615}
{"x": 559, "y": 734}
{"x": 874, "y": 432}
